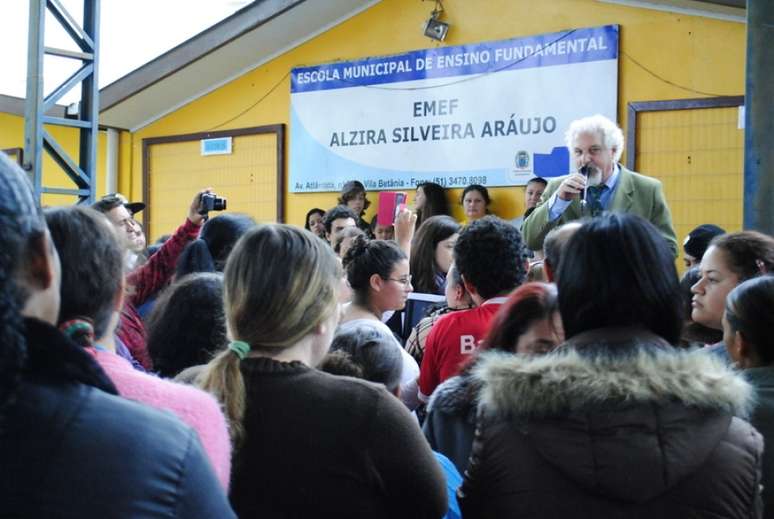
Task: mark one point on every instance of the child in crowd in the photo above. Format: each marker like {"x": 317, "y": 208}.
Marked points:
{"x": 353, "y": 195}
{"x": 527, "y": 324}
{"x": 378, "y": 273}
{"x": 187, "y": 327}
{"x": 91, "y": 294}
{"x": 430, "y": 200}
{"x": 308, "y": 443}
{"x": 70, "y": 447}
{"x": 616, "y": 422}
{"x": 431, "y": 253}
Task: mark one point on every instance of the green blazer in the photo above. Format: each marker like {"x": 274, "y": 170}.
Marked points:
{"x": 634, "y": 194}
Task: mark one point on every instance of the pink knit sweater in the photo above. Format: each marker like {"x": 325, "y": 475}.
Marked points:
{"x": 194, "y": 407}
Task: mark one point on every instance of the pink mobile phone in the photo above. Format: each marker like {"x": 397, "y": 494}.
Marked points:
{"x": 390, "y": 204}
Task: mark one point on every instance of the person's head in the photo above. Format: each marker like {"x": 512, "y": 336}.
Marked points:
{"x": 693, "y": 333}
{"x": 336, "y": 220}
{"x": 378, "y": 272}
{"x": 29, "y": 273}
{"x": 622, "y": 274}
{"x": 382, "y": 232}
{"x": 729, "y": 260}
{"x": 748, "y": 321}
{"x": 690, "y": 278}
{"x": 121, "y": 215}
{"x": 491, "y": 258}
{"x": 432, "y": 251}
{"x": 280, "y": 294}
{"x": 373, "y": 352}
{"x": 187, "y": 326}
{"x": 533, "y": 191}
{"x": 216, "y": 240}
{"x": 595, "y": 141}
{"x": 430, "y": 200}
{"x": 696, "y": 243}
{"x": 456, "y": 295}
{"x": 344, "y": 240}
{"x": 314, "y": 222}
{"x": 553, "y": 245}
{"x": 92, "y": 267}
{"x": 475, "y": 202}
{"x": 353, "y": 195}
{"x": 528, "y": 322}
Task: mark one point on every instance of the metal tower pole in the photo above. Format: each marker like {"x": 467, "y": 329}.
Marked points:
{"x": 83, "y": 171}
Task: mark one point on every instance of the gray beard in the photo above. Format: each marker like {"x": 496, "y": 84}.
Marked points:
{"x": 595, "y": 178}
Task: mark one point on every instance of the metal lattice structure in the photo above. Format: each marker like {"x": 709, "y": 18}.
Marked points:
{"x": 36, "y": 138}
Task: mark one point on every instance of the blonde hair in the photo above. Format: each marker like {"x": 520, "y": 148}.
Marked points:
{"x": 611, "y": 134}
{"x": 280, "y": 284}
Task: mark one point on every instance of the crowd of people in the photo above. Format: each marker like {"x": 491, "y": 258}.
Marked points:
{"x": 557, "y": 365}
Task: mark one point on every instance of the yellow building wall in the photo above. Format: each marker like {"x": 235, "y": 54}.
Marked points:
{"x": 12, "y": 136}
{"x": 698, "y": 53}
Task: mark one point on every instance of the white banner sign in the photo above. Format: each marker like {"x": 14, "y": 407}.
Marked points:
{"x": 491, "y": 113}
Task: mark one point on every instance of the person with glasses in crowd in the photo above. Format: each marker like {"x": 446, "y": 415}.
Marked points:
{"x": 378, "y": 272}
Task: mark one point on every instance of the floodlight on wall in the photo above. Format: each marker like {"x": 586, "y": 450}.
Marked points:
{"x": 434, "y": 27}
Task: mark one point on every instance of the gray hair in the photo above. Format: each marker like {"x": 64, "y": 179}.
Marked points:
{"x": 611, "y": 134}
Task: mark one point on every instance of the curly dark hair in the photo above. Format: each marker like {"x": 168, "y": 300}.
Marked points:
{"x": 490, "y": 255}
{"x": 340, "y": 211}
{"x": 187, "y": 326}
{"x": 314, "y": 210}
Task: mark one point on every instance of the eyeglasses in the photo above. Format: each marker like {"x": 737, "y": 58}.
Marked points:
{"x": 403, "y": 281}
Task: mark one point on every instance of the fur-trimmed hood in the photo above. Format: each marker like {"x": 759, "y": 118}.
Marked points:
{"x": 571, "y": 379}
{"x": 627, "y": 422}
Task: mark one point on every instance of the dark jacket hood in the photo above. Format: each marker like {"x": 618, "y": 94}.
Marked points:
{"x": 626, "y": 419}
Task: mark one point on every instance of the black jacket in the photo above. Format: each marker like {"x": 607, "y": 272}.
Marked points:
{"x": 613, "y": 424}
{"x": 68, "y": 449}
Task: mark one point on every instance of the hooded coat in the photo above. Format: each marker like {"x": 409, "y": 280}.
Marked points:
{"x": 614, "y": 424}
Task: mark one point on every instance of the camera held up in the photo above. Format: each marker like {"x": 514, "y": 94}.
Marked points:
{"x": 211, "y": 202}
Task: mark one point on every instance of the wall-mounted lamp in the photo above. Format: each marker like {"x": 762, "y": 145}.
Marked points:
{"x": 435, "y": 28}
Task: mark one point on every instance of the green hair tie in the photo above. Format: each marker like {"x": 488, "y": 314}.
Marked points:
{"x": 241, "y": 348}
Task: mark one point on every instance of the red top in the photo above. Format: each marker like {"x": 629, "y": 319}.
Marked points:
{"x": 144, "y": 282}
{"x": 452, "y": 340}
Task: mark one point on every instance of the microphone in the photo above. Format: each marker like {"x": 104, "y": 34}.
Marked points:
{"x": 585, "y": 171}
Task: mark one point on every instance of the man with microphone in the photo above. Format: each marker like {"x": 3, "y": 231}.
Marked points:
{"x": 599, "y": 184}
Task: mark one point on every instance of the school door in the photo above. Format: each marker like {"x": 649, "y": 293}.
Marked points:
{"x": 696, "y": 149}
{"x": 246, "y": 168}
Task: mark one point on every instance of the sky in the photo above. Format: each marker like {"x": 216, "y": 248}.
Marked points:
{"x": 132, "y": 32}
